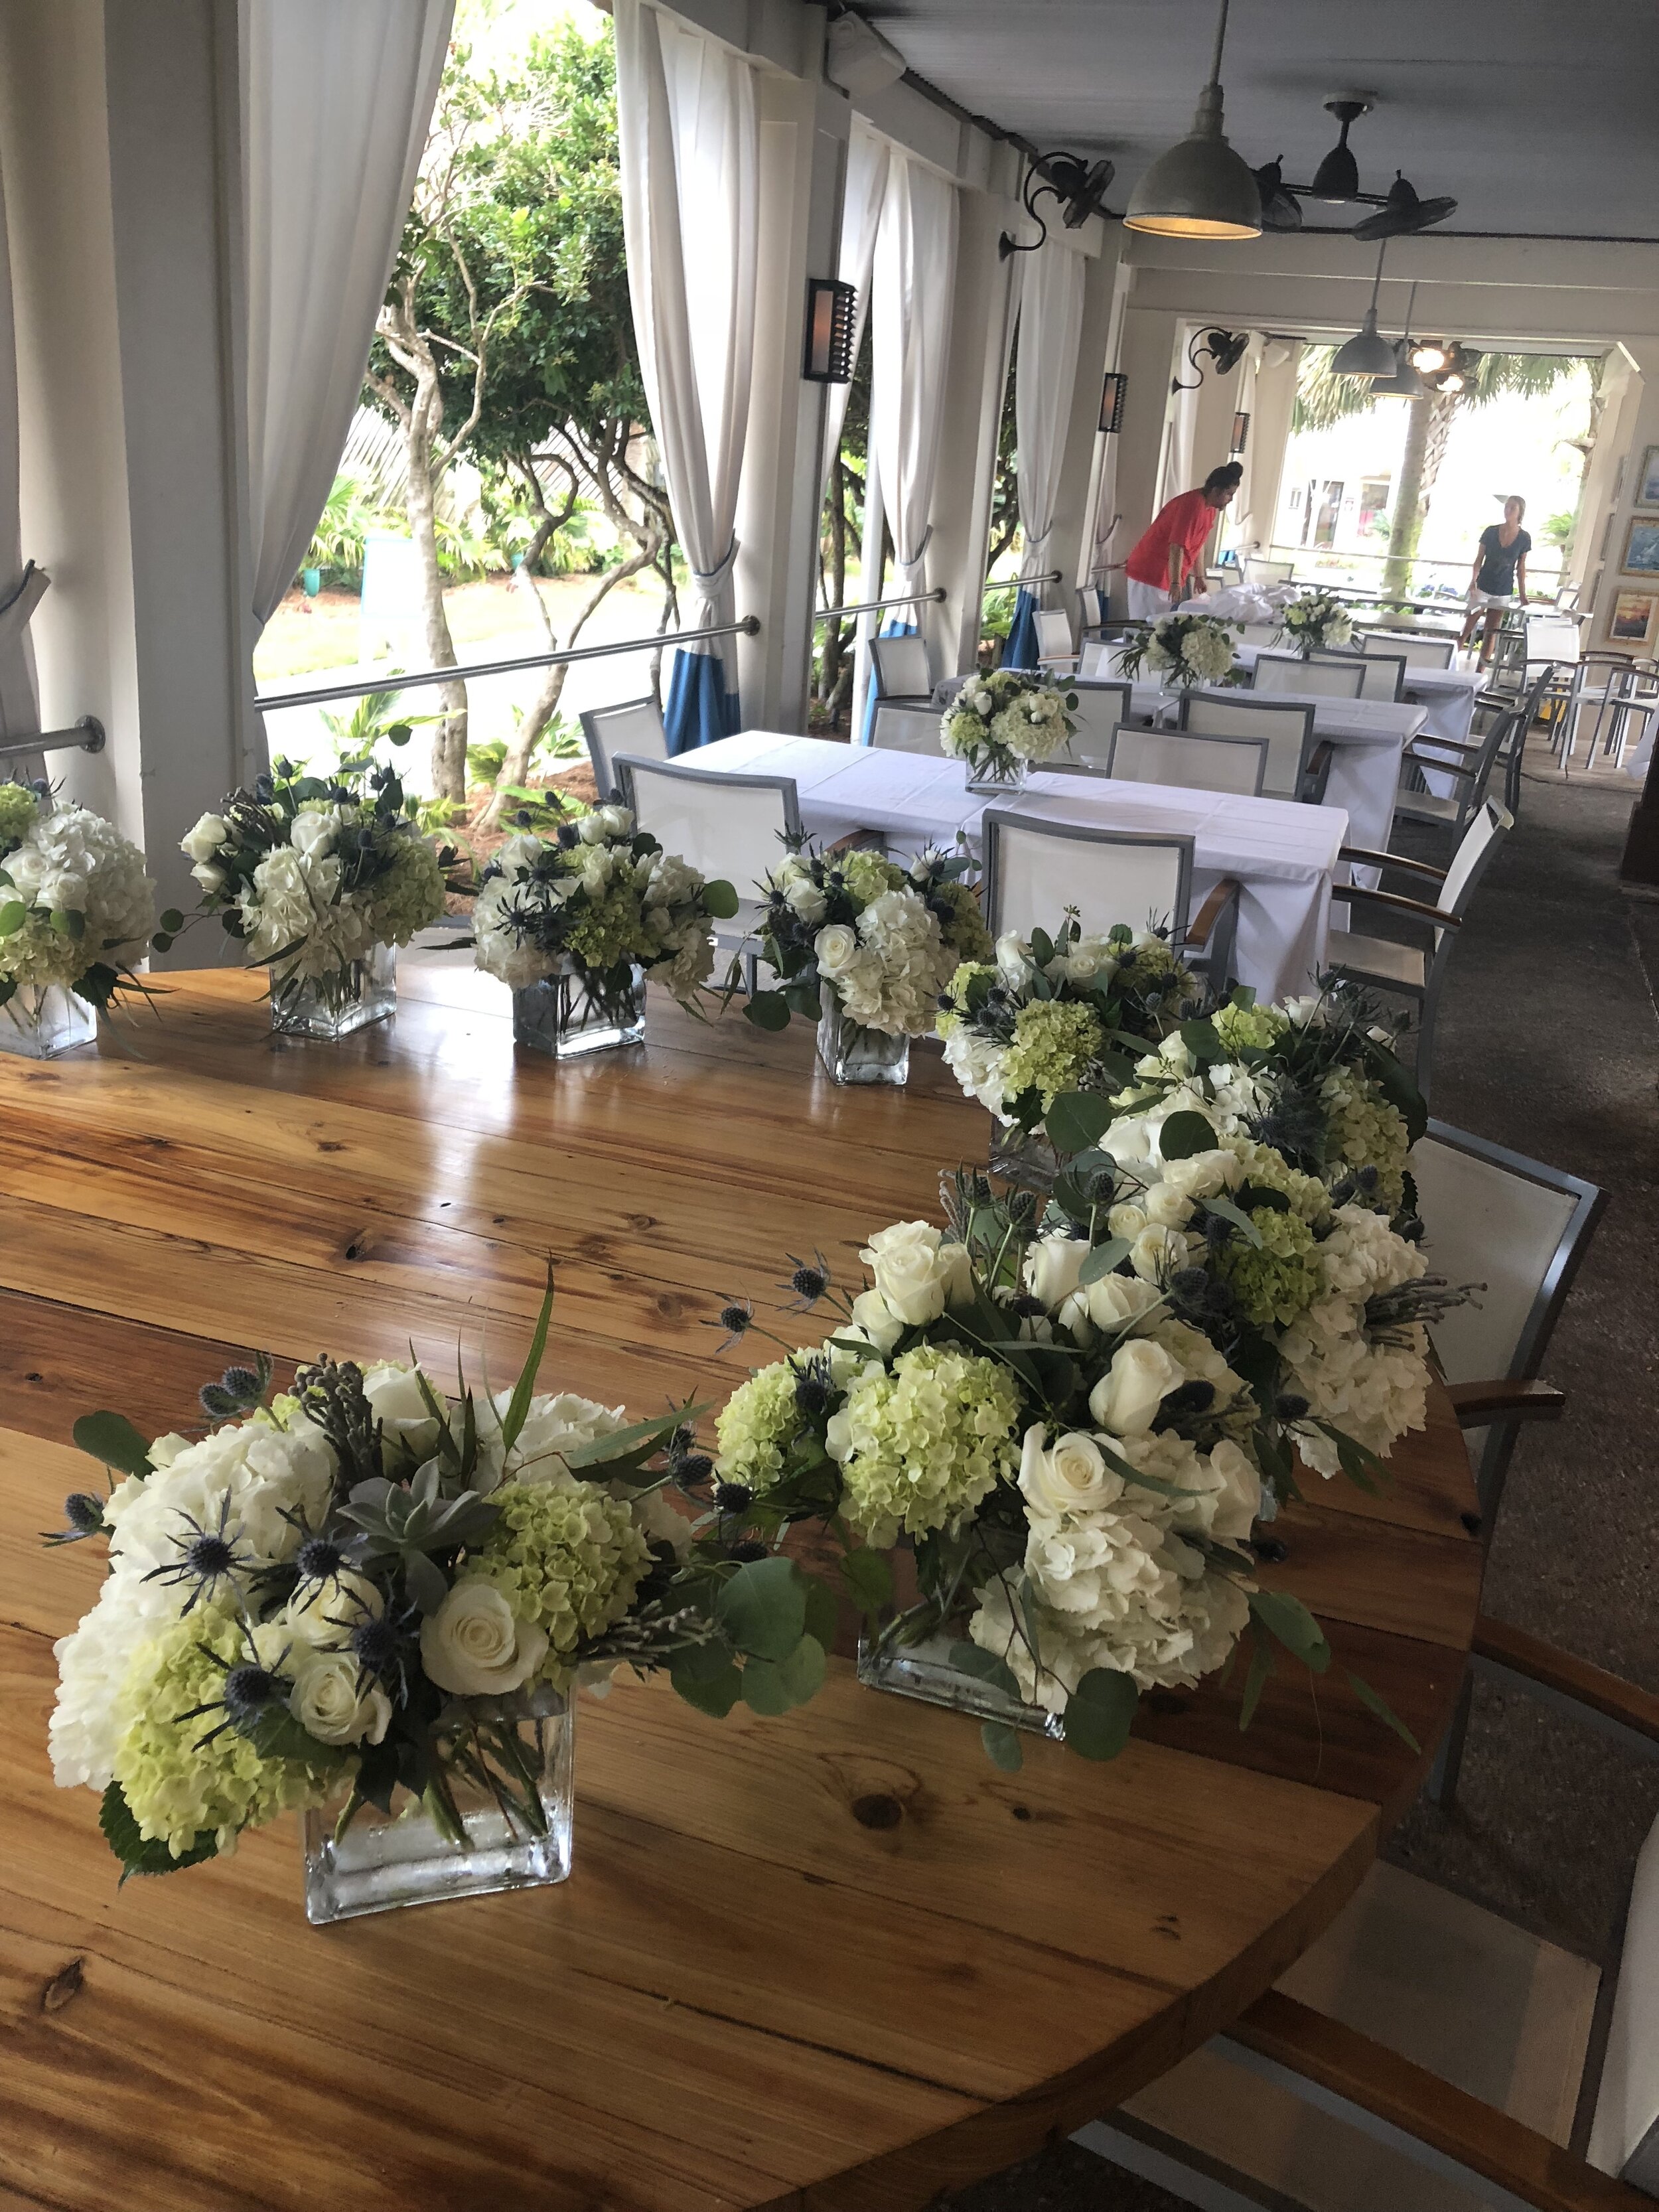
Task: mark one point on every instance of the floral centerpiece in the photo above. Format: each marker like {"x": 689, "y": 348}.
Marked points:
{"x": 578, "y": 923}
{"x": 1315, "y": 622}
{"x": 1185, "y": 650}
{"x": 369, "y": 1602}
{"x": 320, "y": 878}
{"x": 1052, "y": 1015}
{"x": 864, "y": 947}
{"x": 1003, "y": 724}
{"x": 1066, "y": 1416}
{"x": 76, "y": 910}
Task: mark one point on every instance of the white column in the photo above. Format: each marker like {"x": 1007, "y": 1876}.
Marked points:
{"x": 1074, "y": 513}
{"x": 1146, "y": 358}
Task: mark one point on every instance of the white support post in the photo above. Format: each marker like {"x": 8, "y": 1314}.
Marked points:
{"x": 1074, "y": 510}
{"x": 1147, "y": 359}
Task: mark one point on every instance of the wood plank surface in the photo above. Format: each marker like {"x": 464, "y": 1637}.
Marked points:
{"x": 837, "y": 1959}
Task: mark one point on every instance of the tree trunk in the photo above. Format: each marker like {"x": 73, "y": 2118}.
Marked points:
{"x": 449, "y": 736}
{"x": 1428, "y": 426}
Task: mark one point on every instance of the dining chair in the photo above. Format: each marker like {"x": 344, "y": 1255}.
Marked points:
{"x": 901, "y": 668}
{"x": 1327, "y": 679}
{"x": 1631, "y": 703}
{"x": 1415, "y": 649}
{"x": 1261, "y": 634}
{"x": 1100, "y": 707}
{"x": 1190, "y": 764}
{"x": 1102, "y": 661}
{"x": 1417, "y": 973}
{"x": 1592, "y": 677}
{"x": 1257, "y": 572}
{"x": 1473, "y": 765}
{"x": 1054, "y": 638}
{"x": 897, "y": 728}
{"x": 1035, "y": 869}
{"x": 1091, "y": 610}
{"x": 1382, "y": 676}
{"x": 635, "y": 727}
{"x": 1297, "y": 763}
{"x": 734, "y": 829}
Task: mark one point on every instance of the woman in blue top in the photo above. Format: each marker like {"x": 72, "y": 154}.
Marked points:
{"x": 1500, "y": 568}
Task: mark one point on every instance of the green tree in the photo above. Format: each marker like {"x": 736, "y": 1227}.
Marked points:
{"x": 1323, "y": 399}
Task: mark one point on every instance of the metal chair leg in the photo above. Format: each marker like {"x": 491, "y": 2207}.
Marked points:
{"x": 1449, "y": 1766}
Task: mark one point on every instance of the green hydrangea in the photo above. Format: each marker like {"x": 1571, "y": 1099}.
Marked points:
{"x": 965, "y": 933}
{"x": 567, "y": 1556}
{"x": 1269, "y": 1170}
{"x": 1054, "y": 1044}
{"x": 868, "y": 874}
{"x": 178, "y": 1787}
{"x": 1280, "y": 1279}
{"x": 754, "y": 1427}
{"x": 922, "y": 1446}
{"x": 409, "y": 895}
{"x": 19, "y": 811}
{"x": 1248, "y": 1029}
{"x": 956, "y": 991}
{"x": 608, "y": 928}
{"x": 1366, "y": 1131}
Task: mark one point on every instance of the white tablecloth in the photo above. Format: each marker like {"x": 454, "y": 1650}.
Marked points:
{"x": 1282, "y": 854}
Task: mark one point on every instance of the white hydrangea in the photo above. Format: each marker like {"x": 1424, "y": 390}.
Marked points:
{"x": 294, "y": 907}
{"x": 557, "y": 1423}
{"x": 895, "y": 989}
{"x": 977, "y": 1063}
{"x": 1374, "y": 1392}
{"x": 72, "y": 861}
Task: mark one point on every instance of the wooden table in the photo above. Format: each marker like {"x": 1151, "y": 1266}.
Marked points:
{"x": 834, "y": 1960}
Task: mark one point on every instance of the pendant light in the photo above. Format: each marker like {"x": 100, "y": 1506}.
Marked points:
{"x": 1367, "y": 353}
{"x": 1405, "y": 383}
{"x": 1199, "y": 188}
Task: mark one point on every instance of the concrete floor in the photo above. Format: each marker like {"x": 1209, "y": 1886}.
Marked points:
{"x": 1549, "y": 1044}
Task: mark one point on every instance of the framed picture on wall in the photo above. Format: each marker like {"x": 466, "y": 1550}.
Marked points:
{"x": 1647, "y": 489}
{"x": 1641, "y": 547}
{"x": 1631, "y": 620}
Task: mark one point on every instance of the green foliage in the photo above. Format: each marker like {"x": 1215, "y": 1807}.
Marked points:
{"x": 138, "y": 1855}
{"x": 1323, "y": 399}
{"x": 111, "y": 1438}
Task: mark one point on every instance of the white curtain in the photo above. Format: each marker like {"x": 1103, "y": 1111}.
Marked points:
{"x": 912, "y": 286}
{"x": 338, "y": 100}
{"x": 867, "y": 165}
{"x": 1045, "y": 378}
{"x": 21, "y": 586}
{"x": 690, "y": 156}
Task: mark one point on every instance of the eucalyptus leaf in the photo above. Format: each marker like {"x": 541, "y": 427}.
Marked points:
{"x": 869, "y": 1579}
{"x": 1289, "y": 1620}
{"x": 1103, "y": 1258}
{"x": 1202, "y": 1040}
{"x": 111, "y": 1438}
{"x": 985, "y": 1666}
{"x": 765, "y": 1691}
{"x": 13, "y": 915}
{"x": 1002, "y": 1746}
{"x": 1100, "y": 1712}
{"x": 1239, "y": 1220}
{"x": 720, "y": 900}
{"x": 803, "y": 1672}
{"x": 764, "y": 1609}
{"x": 822, "y": 1611}
{"x": 1077, "y": 1120}
{"x": 1261, "y": 1666}
{"x": 714, "y": 1693}
{"x": 768, "y": 1010}
{"x": 1183, "y": 1135}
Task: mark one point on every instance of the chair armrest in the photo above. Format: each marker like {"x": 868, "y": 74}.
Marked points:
{"x": 1400, "y": 904}
{"x": 1512, "y": 1651}
{"x": 1446, "y": 745}
{"x": 1478, "y": 1404}
{"x": 1390, "y": 860}
{"x": 856, "y": 840}
{"x": 1221, "y": 896}
{"x": 1446, "y": 767}
{"x": 1344, "y": 2068}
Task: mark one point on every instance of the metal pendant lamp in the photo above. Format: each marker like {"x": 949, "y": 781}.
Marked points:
{"x": 1367, "y": 353}
{"x": 1199, "y": 188}
{"x": 1405, "y": 383}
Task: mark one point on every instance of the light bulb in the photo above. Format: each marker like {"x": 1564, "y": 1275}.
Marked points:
{"x": 1428, "y": 357}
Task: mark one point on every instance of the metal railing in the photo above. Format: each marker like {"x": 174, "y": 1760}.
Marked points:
{"x": 1019, "y": 583}
{"x": 87, "y": 734}
{"x": 269, "y": 702}
{"x": 875, "y": 606}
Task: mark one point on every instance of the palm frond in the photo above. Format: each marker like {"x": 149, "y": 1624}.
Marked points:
{"x": 1496, "y": 374}
{"x": 1323, "y": 399}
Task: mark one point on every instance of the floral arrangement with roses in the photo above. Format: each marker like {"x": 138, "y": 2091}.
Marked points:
{"x": 311, "y": 873}
{"x": 1187, "y": 649}
{"x": 1005, "y": 722}
{"x": 356, "y": 1592}
{"x": 77, "y": 908}
{"x": 1315, "y": 622}
{"x": 883, "y": 940}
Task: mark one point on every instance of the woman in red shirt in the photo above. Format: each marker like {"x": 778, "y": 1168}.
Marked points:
{"x": 1163, "y": 559}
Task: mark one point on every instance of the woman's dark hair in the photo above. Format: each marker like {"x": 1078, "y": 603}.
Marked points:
{"x": 1227, "y": 477}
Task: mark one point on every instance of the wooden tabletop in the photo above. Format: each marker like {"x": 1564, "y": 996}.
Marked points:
{"x": 836, "y": 1961}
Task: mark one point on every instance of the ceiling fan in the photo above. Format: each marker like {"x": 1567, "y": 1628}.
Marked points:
{"x": 1400, "y": 212}
{"x": 1077, "y": 187}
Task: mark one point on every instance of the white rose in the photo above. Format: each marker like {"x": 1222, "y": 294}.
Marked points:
{"x": 1127, "y": 1397}
{"x": 1242, "y": 1493}
{"x": 1167, "y": 1207}
{"x": 1052, "y": 1266}
{"x": 872, "y": 1313}
{"x": 314, "y": 831}
{"x": 518, "y": 851}
{"x": 321, "y": 1614}
{"x": 836, "y": 948}
{"x": 333, "y": 1699}
{"x": 1117, "y": 1301}
{"x": 803, "y": 897}
{"x": 916, "y": 1273}
{"x": 474, "y": 1646}
{"x": 394, "y": 1396}
{"x": 1089, "y": 958}
{"x": 206, "y": 839}
{"x": 1014, "y": 961}
{"x": 210, "y": 877}
{"x": 1126, "y": 1220}
{"x": 1204, "y": 1175}
{"x": 1156, "y": 1251}
{"x": 1071, "y": 1478}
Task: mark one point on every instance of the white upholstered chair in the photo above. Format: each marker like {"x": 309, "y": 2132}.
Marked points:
{"x": 1188, "y": 762}
{"x": 905, "y": 728}
{"x": 1100, "y": 707}
{"x": 734, "y": 829}
{"x": 1416, "y": 650}
{"x": 1288, "y": 671}
{"x": 1382, "y": 676}
{"x": 1258, "y": 572}
{"x": 1296, "y": 764}
{"x": 1054, "y": 638}
{"x": 634, "y": 726}
{"x": 901, "y": 668}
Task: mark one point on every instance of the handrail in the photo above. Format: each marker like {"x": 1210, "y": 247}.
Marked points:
{"x": 875, "y": 606}
{"x": 273, "y": 701}
{"x": 88, "y": 733}
{"x": 1019, "y": 583}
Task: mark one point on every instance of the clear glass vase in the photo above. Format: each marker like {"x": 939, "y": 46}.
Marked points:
{"x": 992, "y": 777}
{"x": 924, "y": 1669}
{"x": 331, "y": 1006}
{"x": 575, "y": 1012}
{"x": 502, "y": 1821}
{"x": 40, "y": 1020}
{"x": 856, "y": 1055}
{"x": 1022, "y": 1156}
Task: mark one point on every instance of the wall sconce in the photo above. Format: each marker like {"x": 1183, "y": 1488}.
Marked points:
{"x": 829, "y": 307}
{"x": 1241, "y": 434}
{"x": 1111, "y": 399}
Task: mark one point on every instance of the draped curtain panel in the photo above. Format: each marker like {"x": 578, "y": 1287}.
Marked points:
{"x": 1045, "y": 376}
{"x": 912, "y": 286}
{"x": 867, "y": 165}
{"x": 339, "y": 100}
{"x": 690, "y": 157}
{"x": 20, "y": 587}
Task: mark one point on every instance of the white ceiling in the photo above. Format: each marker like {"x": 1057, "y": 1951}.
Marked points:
{"x": 1539, "y": 117}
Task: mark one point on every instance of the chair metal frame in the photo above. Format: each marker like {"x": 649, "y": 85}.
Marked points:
{"x": 1257, "y": 745}
{"x": 597, "y": 752}
{"x": 901, "y": 698}
{"x": 895, "y": 708}
{"x": 1368, "y": 661}
{"x": 1094, "y": 686}
{"x": 1314, "y": 769}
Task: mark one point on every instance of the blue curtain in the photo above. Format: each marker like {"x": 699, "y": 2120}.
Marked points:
{"x": 700, "y": 708}
{"x": 891, "y": 628}
{"x": 1021, "y": 649}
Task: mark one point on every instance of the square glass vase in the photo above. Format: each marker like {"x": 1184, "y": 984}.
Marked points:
{"x": 572, "y": 1013}
{"x": 40, "y": 1020}
{"x": 333, "y": 1006}
{"x": 992, "y": 779}
{"x": 1024, "y": 1158}
{"x": 854, "y": 1055}
{"x": 505, "y": 1824}
{"x": 924, "y": 1670}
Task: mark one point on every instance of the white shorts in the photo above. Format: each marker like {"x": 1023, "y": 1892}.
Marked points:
{"x": 1146, "y": 601}
{"x": 1477, "y": 597}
